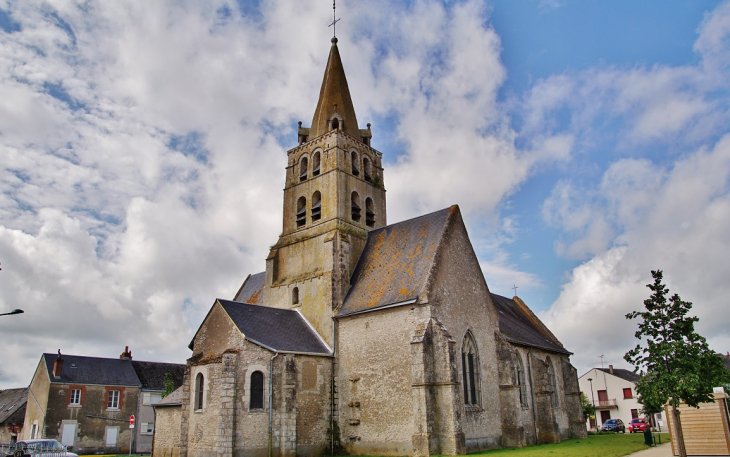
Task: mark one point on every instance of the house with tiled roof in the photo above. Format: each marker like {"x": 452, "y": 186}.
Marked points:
{"x": 364, "y": 337}
{"x": 12, "y": 413}
{"x": 86, "y": 402}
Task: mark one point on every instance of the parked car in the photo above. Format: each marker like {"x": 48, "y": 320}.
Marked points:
{"x": 42, "y": 448}
{"x": 637, "y": 425}
{"x": 614, "y": 425}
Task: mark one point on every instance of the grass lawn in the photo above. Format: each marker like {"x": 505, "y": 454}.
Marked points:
{"x": 613, "y": 445}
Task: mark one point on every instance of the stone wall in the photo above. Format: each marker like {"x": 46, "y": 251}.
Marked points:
{"x": 167, "y": 431}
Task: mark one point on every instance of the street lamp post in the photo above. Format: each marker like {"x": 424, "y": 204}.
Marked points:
{"x": 15, "y": 311}
{"x": 593, "y": 399}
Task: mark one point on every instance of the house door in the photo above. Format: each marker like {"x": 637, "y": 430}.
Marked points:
{"x": 605, "y": 415}
{"x": 602, "y": 396}
{"x": 68, "y": 433}
{"x": 111, "y": 436}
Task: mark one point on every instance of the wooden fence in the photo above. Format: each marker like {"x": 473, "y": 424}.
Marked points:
{"x": 705, "y": 429}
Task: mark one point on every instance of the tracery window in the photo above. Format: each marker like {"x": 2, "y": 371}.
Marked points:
{"x": 470, "y": 371}
{"x": 256, "y": 398}
{"x": 552, "y": 383}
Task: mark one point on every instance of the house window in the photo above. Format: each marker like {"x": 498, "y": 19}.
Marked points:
{"x": 147, "y": 428}
{"x": 552, "y": 384}
{"x": 256, "y": 400}
{"x": 366, "y": 169}
{"x": 521, "y": 380}
{"x": 470, "y": 370}
{"x": 301, "y": 212}
{"x": 112, "y": 400}
{"x": 355, "y": 168}
{"x": 634, "y": 413}
{"x": 75, "y": 399}
{"x": 295, "y": 296}
{"x": 627, "y": 393}
{"x": 34, "y": 431}
{"x": 149, "y": 398}
{"x": 355, "y": 207}
{"x": 303, "y": 165}
{"x": 199, "y": 391}
{"x": 369, "y": 213}
{"x": 315, "y": 164}
{"x": 316, "y": 206}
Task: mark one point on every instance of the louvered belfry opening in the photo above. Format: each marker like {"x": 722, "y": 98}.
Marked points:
{"x": 301, "y": 212}
{"x": 303, "y": 165}
{"x": 355, "y": 207}
{"x": 369, "y": 213}
{"x": 366, "y": 169}
{"x": 315, "y": 164}
{"x": 316, "y": 206}
{"x": 355, "y": 168}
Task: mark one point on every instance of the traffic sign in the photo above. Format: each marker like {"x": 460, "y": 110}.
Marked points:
{"x": 131, "y": 419}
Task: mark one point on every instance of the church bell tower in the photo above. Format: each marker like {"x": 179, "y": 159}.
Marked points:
{"x": 333, "y": 195}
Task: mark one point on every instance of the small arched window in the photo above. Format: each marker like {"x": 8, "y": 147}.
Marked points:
{"x": 315, "y": 164}
{"x": 355, "y": 165}
{"x": 552, "y": 385}
{"x": 303, "y": 168}
{"x": 470, "y": 370}
{"x": 355, "y": 207}
{"x": 520, "y": 369}
{"x": 367, "y": 169}
{"x": 316, "y": 206}
{"x": 301, "y": 212}
{"x": 256, "y": 400}
{"x": 369, "y": 213}
{"x": 335, "y": 124}
{"x": 199, "y": 388}
{"x": 295, "y": 296}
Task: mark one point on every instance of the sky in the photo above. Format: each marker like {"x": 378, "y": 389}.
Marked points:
{"x": 143, "y": 146}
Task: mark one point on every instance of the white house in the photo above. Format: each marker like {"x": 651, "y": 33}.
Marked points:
{"x": 613, "y": 391}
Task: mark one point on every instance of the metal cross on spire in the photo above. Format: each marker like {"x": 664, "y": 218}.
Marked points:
{"x": 334, "y": 19}
{"x": 515, "y": 288}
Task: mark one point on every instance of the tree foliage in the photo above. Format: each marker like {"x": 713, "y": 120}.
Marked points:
{"x": 675, "y": 362}
{"x": 589, "y": 410}
{"x": 169, "y": 385}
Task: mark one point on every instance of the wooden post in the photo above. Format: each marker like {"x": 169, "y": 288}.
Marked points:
{"x": 678, "y": 432}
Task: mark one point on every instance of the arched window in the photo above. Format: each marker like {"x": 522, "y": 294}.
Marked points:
{"x": 551, "y": 383}
{"x": 520, "y": 368}
{"x": 301, "y": 212}
{"x": 316, "y": 206}
{"x": 199, "y": 394}
{"x": 315, "y": 164}
{"x": 367, "y": 169}
{"x": 470, "y": 370}
{"x": 369, "y": 213}
{"x": 256, "y": 400}
{"x": 355, "y": 207}
{"x": 303, "y": 166}
{"x": 335, "y": 124}
{"x": 295, "y": 296}
{"x": 355, "y": 165}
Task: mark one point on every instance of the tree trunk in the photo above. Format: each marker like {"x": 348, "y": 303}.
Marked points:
{"x": 678, "y": 432}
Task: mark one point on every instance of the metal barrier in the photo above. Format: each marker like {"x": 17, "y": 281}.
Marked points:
{"x": 37, "y": 449}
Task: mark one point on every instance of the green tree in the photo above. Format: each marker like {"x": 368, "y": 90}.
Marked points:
{"x": 589, "y": 410}
{"x": 675, "y": 363}
{"x": 169, "y": 385}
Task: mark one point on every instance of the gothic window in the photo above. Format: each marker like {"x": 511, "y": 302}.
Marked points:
{"x": 315, "y": 164}
{"x": 301, "y": 212}
{"x": 295, "y": 296}
{"x": 520, "y": 368}
{"x": 369, "y": 213}
{"x": 199, "y": 391}
{"x": 303, "y": 165}
{"x": 256, "y": 400}
{"x": 366, "y": 169}
{"x": 316, "y": 206}
{"x": 552, "y": 386}
{"x": 470, "y": 370}
{"x": 355, "y": 207}
{"x": 355, "y": 168}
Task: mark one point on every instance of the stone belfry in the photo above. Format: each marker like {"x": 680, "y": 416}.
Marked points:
{"x": 333, "y": 195}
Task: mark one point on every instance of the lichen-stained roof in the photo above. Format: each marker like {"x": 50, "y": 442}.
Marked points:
{"x": 281, "y": 330}
{"x": 152, "y": 375}
{"x": 174, "y": 399}
{"x": 626, "y": 375}
{"x": 395, "y": 263}
{"x": 251, "y": 289}
{"x": 12, "y": 406}
{"x": 517, "y": 328}
{"x": 78, "y": 369}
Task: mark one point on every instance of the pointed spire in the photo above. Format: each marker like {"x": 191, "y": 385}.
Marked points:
{"x": 334, "y": 100}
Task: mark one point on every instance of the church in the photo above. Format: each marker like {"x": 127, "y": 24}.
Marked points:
{"x": 362, "y": 337}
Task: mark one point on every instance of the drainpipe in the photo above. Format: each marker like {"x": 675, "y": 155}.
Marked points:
{"x": 271, "y": 400}
{"x": 532, "y": 393}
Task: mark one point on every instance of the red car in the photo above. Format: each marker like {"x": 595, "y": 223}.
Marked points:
{"x": 637, "y": 425}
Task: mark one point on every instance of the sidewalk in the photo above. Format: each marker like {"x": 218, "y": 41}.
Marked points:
{"x": 662, "y": 450}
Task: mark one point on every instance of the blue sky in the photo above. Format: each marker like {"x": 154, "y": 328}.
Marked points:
{"x": 142, "y": 155}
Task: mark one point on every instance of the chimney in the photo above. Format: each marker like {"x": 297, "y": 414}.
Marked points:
{"x": 127, "y": 354}
{"x": 610, "y": 369}
{"x": 57, "y": 365}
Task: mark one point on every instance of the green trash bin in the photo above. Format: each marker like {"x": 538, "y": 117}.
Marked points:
{"x": 648, "y": 439}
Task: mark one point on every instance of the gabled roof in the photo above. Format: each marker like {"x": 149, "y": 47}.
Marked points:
{"x": 12, "y": 406}
{"x": 518, "y": 328}
{"x": 626, "y": 375}
{"x": 174, "y": 399}
{"x": 396, "y": 262}
{"x": 280, "y": 330}
{"x": 250, "y": 291}
{"x": 152, "y": 374}
{"x": 93, "y": 370}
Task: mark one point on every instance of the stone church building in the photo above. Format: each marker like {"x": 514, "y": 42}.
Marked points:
{"x": 363, "y": 337}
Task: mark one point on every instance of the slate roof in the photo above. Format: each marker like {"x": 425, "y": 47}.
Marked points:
{"x": 250, "y": 291}
{"x": 626, "y": 375}
{"x": 280, "y": 330}
{"x": 93, "y": 370}
{"x": 174, "y": 399}
{"x": 517, "y": 328}
{"x": 152, "y": 374}
{"x": 12, "y": 406}
{"x": 395, "y": 263}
